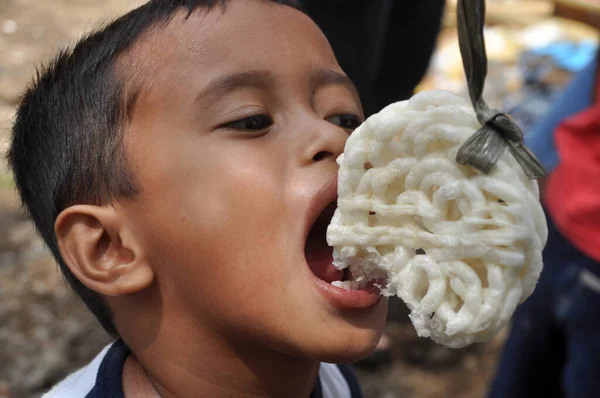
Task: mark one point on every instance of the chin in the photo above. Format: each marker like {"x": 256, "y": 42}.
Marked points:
{"x": 352, "y": 347}
{"x": 349, "y": 337}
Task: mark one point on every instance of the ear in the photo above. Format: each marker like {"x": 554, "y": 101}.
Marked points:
{"x": 100, "y": 251}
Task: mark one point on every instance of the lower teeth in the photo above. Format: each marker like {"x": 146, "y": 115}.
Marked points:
{"x": 337, "y": 283}
{"x": 350, "y": 285}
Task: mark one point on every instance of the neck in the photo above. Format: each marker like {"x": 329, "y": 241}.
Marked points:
{"x": 208, "y": 367}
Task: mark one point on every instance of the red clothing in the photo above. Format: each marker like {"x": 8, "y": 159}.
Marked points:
{"x": 573, "y": 191}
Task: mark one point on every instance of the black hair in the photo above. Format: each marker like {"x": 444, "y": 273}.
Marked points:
{"x": 66, "y": 139}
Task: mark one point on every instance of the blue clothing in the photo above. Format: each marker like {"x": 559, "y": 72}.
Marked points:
{"x": 554, "y": 347}
{"x": 568, "y": 55}
{"x": 103, "y": 378}
{"x": 576, "y": 97}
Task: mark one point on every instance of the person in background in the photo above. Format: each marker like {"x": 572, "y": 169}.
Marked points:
{"x": 553, "y": 348}
{"x": 384, "y": 46}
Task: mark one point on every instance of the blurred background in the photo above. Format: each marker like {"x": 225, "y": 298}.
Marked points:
{"x": 534, "y": 48}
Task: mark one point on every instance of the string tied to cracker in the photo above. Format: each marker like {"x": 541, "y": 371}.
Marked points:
{"x": 483, "y": 149}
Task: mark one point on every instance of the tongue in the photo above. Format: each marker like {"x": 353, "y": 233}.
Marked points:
{"x": 319, "y": 259}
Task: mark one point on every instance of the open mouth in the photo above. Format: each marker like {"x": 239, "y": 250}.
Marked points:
{"x": 343, "y": 289}
{"x": 319, "y": 257}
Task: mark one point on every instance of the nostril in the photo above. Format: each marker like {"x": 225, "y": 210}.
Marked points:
{"x": 320, "y": 156}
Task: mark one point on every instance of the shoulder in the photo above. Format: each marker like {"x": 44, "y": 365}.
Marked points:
{"x": 79, "y": 383}
{"x": 338, "y": 381}
{"x": 100, "y": 378}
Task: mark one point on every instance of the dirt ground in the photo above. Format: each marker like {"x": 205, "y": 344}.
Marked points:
{"x": 45, "y": 332}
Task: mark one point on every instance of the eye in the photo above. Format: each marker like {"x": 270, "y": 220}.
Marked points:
{"x": 256, "y": 122}
{"x": 346, "y": 121}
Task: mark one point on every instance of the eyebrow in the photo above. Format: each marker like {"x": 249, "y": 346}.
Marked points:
{"x": 328, "y": 77}
{"x": 227, "y": 84}
{"x": 224, "y": 85}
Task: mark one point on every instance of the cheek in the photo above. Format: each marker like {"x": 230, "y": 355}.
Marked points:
{"x": 218, "y": 234}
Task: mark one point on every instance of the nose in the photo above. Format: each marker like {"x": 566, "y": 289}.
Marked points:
{"x": 323, "y": 141}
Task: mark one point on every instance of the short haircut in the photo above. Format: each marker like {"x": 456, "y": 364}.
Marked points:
{"x": 66, "y": 146}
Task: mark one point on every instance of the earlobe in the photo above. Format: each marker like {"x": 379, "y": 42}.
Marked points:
{"x": 101, "y": 252}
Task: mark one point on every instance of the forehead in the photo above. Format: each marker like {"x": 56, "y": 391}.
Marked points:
{"x": 245, "y": 35}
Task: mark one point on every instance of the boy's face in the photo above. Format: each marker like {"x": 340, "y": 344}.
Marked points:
{"x": 234, "y": 142}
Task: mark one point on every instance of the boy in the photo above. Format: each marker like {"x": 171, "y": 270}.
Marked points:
{"x": 180, "y": 164}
